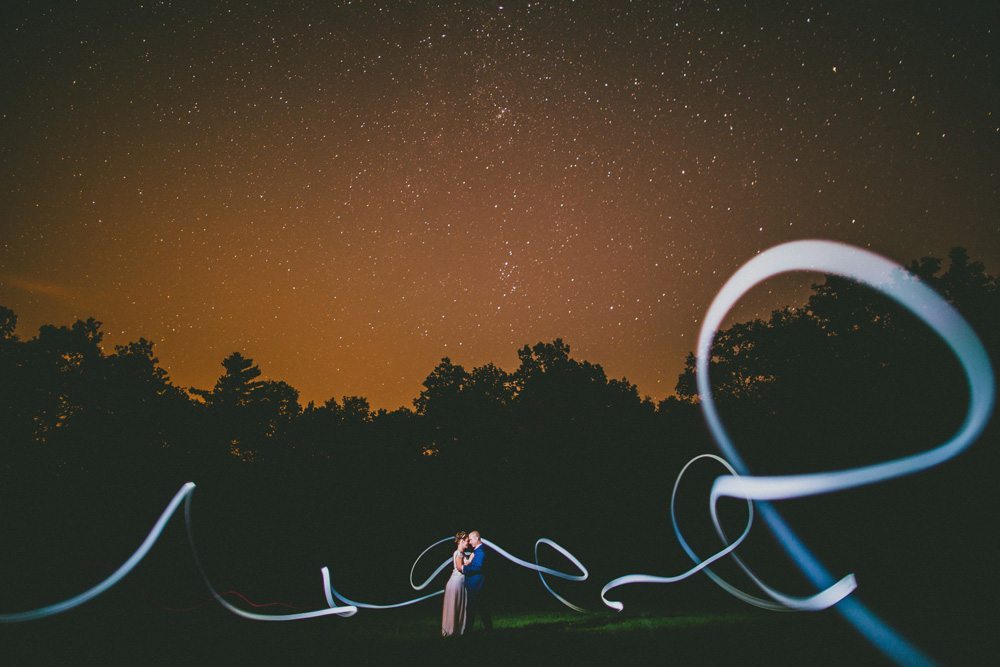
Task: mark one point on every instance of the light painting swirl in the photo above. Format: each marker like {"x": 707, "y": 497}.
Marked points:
{"x": 332, "y": 593}
{"x": 894, "y": 281}
{"x": 183, "y": 495}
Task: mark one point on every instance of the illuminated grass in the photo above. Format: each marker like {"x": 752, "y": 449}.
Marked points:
{"x": 557, "y": 623}
{"x": 651, "y": 623}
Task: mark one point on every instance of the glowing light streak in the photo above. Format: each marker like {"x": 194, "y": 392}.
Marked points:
{"x": 332, "y": 593}
{"x": 894, "y": 281}
{"x": 183, "y": 495}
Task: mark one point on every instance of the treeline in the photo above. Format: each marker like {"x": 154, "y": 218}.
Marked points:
{"x": 68, "y": 405}
{"x": 70, "y": 408}
{"x": 847, "y": 351}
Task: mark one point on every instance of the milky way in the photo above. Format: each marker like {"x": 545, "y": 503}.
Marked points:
{"x": 348, "y": 191}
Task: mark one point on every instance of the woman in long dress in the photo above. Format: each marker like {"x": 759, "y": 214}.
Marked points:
{"x": 453, "y": 613}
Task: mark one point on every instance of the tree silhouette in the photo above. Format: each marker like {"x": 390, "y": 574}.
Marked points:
{"x": 234, "y": 424}
{"x": 235, "y": 386}
{"x": 8, "y": 322}
{"x": 441, "y": 404}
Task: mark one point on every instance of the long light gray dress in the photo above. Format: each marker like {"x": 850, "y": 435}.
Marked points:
{"x": 453, "y": 613}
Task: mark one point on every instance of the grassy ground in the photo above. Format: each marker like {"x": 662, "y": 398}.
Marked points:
{"x": 123, "y": 628}
{"x": 105, "y": 635}
{"x": 520, "y": 625}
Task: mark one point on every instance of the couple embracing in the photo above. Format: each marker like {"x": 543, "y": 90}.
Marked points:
{"x": 463, "y": 595}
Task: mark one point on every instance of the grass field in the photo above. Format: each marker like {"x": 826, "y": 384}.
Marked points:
{"x": 105, "y": 635}
{"x": 118, "y": 631}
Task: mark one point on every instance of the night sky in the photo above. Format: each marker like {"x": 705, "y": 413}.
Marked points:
{"x": 348, "y": 191}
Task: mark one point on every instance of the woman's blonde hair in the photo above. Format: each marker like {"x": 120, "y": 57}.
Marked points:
{"x": 459, "y": 536}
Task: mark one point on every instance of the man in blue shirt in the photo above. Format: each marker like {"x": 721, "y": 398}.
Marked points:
{"x": 478, "y": 603}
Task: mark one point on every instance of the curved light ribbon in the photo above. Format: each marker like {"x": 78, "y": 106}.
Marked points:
{"x": 822, "y": 600}
{"x": 542, "y": 571}
{"x": 331, "y": 593}
{"x": 184, "y": 494}
{"x": 892, "y": 280}
{"x": 115, "y": 577}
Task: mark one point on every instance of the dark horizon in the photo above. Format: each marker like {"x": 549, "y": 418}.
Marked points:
{"x": 195, "y": 392}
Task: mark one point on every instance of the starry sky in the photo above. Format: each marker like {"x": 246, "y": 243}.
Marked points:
{"x": 348, "y": 191}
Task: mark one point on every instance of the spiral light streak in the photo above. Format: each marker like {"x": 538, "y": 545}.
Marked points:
{"x": 821, "y": 600}
{"x": 894, "y": 281}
